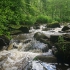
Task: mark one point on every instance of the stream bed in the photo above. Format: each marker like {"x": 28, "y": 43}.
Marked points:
{"x": 23, "y": 49}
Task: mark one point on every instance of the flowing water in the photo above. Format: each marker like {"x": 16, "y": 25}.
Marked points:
{"x": 25, "y": 49}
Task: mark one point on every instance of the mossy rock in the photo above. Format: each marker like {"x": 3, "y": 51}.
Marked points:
{"x": 48, "y": 59}
{"x": 63, "y": 52}
{"x": 53, "y": 25}
{"x": 38, "y": 36}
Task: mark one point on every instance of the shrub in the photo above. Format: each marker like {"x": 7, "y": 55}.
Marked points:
{"x": 43, "y": 19}
{"x": 57, "y": 19}
{"x": 66, "y": 19}
{"x": 29, "y": 20}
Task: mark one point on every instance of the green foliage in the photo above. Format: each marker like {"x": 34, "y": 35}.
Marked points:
{"x": 28, "y": 12}
{"x": 29, "y": 20}
{"x": 43, "y": 19}
{"x": 57, "y": 19}
{"x": 66, "y": 19}
{"x": 63, "y": 45}
{"x": 10, "y": 14}
{"x": 63, "y": 48}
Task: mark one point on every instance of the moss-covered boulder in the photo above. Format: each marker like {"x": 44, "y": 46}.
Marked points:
{"x": 53, "y": 25}
{"x": 63, "y": 52}
{"x": 39, "y": 36}
{"x": 48, "y": 59}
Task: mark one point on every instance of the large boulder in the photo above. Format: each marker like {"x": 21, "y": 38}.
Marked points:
{"x": 46, "y": 41}
{"x": 53, "y": 25}
{"x": 48, "y": 59}
{"x": 54, "y": 38}
{"x": 4, "y": 41}
{"x": 65, "y": 28}
{"x": 24, "y": 29}
{"x": 42, "y": 38}
{"x": 39, "y": 36}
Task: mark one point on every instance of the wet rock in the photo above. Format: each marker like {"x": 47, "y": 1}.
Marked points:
{"x": 27, "y": 41}
{"x": 44, "y": 29}
{"x": 3, "y": 57}
{"x": 15, "y": 45}
{"x": 38, "y": 36}
{"x": 65, "y": 28}
{"x": 54, "y": 38}
{"x": 36, "y": 26}
{"x": 48, "y": 59}
{"x": 54, "y": 25}
{"x": 37, "y": 45}
{"x": 46, "y": 41}
{"x": 24, "y": 29}
{"x": 54, "y": 50}
{"x": 66, "y": 37}
{"x": 67, "y": 31}
{"x": 45, "y": 49}
{"x": 61, "y": 31}
{"x": 4, "y": 41}
{"x": 60, "y": 57}
{"x": 20, "y": 37}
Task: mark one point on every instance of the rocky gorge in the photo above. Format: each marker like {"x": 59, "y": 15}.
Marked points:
{"x": 34, "y": 49}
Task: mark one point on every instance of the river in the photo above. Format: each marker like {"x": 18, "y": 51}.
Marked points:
{"x": 26, "y": 48}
